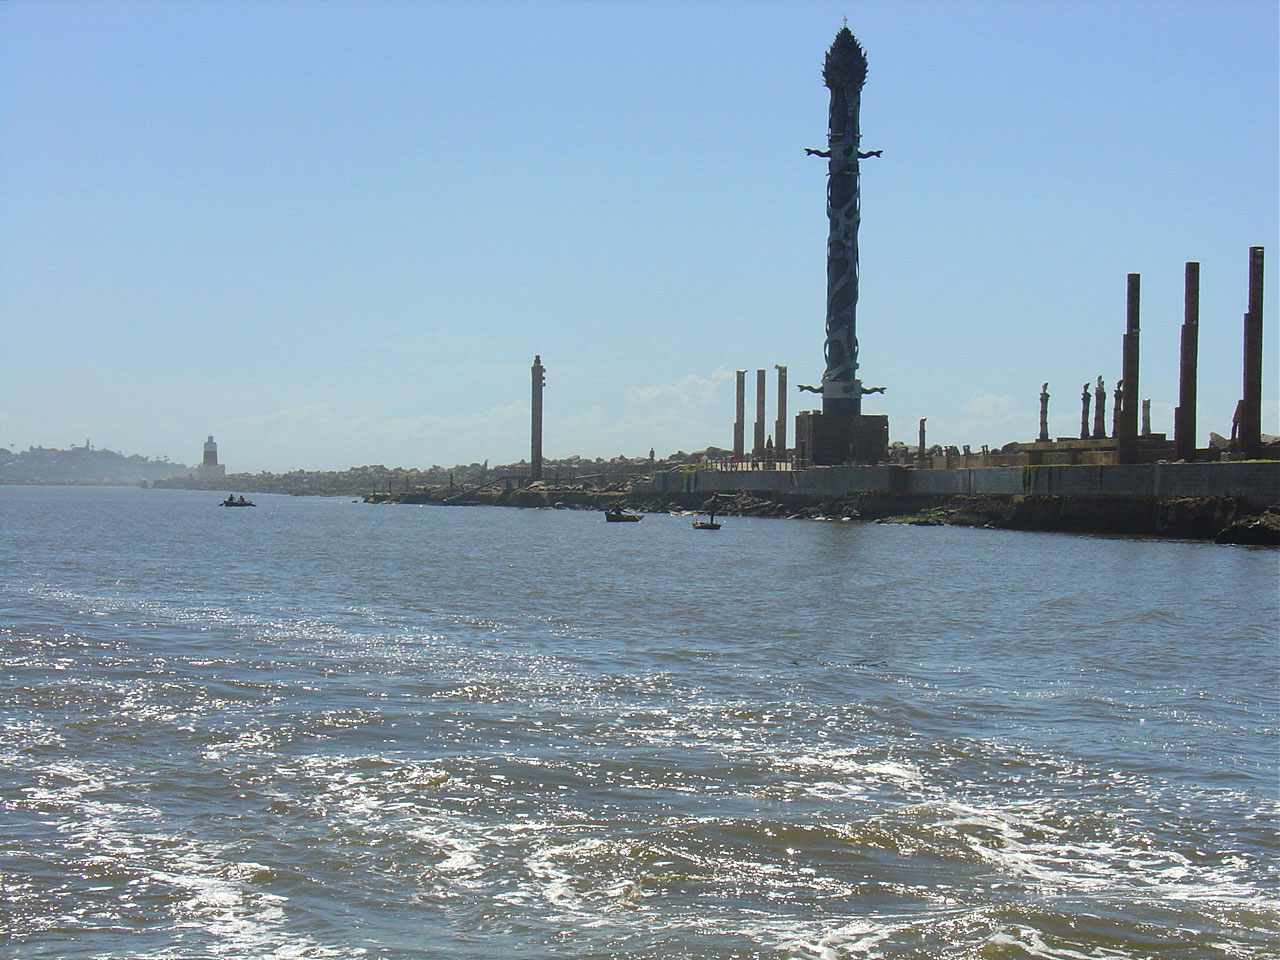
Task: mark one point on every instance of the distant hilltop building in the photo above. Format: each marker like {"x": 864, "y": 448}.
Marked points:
{"x": 209, "y": 466}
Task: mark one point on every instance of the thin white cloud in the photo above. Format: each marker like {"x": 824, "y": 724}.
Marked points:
{"x": 692, "y": 394}
{"x": 986, "y": 418}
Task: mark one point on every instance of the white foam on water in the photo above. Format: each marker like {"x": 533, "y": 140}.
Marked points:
{"x": 831, "y": 789}
{"x": 218, "y": 896}
{"x": 865, "y": 938}
{"x": 1019, "y": 840}
{"x": 555, "y": 884}
{"x": 862, "y": 767}
{"x": 461, "y": 856}
{"x": 1030, "y": 942}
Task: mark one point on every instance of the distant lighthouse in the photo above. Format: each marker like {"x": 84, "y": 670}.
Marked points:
{"x": 209, "y": 466}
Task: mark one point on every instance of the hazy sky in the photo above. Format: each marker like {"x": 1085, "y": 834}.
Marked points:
{"x": 336, "y": 233}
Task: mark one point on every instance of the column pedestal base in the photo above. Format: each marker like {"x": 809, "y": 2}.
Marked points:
{"x": 829, "y": 439}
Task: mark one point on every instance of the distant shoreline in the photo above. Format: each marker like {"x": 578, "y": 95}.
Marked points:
{"x": 1224, "y": 519}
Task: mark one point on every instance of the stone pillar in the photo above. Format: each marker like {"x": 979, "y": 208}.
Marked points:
{"x": 1184, "y": 417}
{"x": 757, "y": 447}
{"x": 780, "y": 428}
{"x": 1146, "y": 418}
{"x": 1251, "y": 405}
{"x": 1044, "y": 414}
{"x": 1117, "y": 405}
{"x": 920, "y": 451}
{"x": 535, "y": 456}
{"x": 1084, "y": 413}
{"x": 1100, "y": 410}
{"x": 1127, "y": 421}
{"x": 740, "y": 424}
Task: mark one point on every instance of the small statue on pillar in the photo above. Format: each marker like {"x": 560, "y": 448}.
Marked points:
{"x": 1044, "y": 413}
{"x": 1084, "y": 413}
{"x": 1100, "y": 411}
{"x": 1117, "y": 401}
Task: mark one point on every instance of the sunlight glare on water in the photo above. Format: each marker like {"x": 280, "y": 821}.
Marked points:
{"x": 324, "y": 729}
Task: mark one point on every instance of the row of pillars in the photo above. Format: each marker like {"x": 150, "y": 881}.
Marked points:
{"x": 1247, "y": 422}
{"x": 760, "y": 447}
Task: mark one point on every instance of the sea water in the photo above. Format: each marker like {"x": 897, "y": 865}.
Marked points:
{"x": 320, "y": 728}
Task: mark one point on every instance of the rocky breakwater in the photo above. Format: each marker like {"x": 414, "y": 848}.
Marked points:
{"x": 531, "y": 497}
{"x": 1222, "y": 519}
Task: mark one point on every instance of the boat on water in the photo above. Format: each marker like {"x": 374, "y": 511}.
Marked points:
{"x": 710, "y": 522}
{"x": 232, "y": 501}
{"x": 617, "y": 516}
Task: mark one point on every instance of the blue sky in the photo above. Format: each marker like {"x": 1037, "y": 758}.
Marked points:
{"x": 336, "y": 233}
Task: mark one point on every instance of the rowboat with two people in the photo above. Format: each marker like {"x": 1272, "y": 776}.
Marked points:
{"x": 616, "y": 515}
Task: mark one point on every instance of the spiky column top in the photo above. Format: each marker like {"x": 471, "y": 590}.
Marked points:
{"x": 846, "y": 61}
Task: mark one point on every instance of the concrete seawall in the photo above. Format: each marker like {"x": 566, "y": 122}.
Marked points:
{"x": 1257, "y": 482}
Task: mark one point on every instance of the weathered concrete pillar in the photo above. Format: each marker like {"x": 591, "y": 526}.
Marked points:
{"x": 1100, "y": 410}
{"x": 780, "y": 428}
{"x": 920, "y": 452}
{"x": 740, "y": 424}
{"x": 757, "y": 448}
{"x": 1184, "y": 417}
{"x": 1127, "y": 422}
{"x": 1084, "y": 413}
{"x": 535, "y": 455}
{"x": 1044, "y": 414}
{"x": 1146, "y": 418}
{"x": 1251, "y": 407}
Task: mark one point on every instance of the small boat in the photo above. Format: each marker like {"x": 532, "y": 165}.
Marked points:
{"x": 617, "y": 516}
{"x": 231, "y": 501}
{"x": 709, "y": 523}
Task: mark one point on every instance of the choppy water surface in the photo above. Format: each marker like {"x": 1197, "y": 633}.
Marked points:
{"x": 324, "y": 729}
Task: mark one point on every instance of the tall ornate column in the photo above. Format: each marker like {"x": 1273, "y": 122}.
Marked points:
{"x": 844, "y": 73}
{"x": 841, "y": 433}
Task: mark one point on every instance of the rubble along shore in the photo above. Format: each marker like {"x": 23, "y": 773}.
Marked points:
{"x": 1221, "y": 519}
